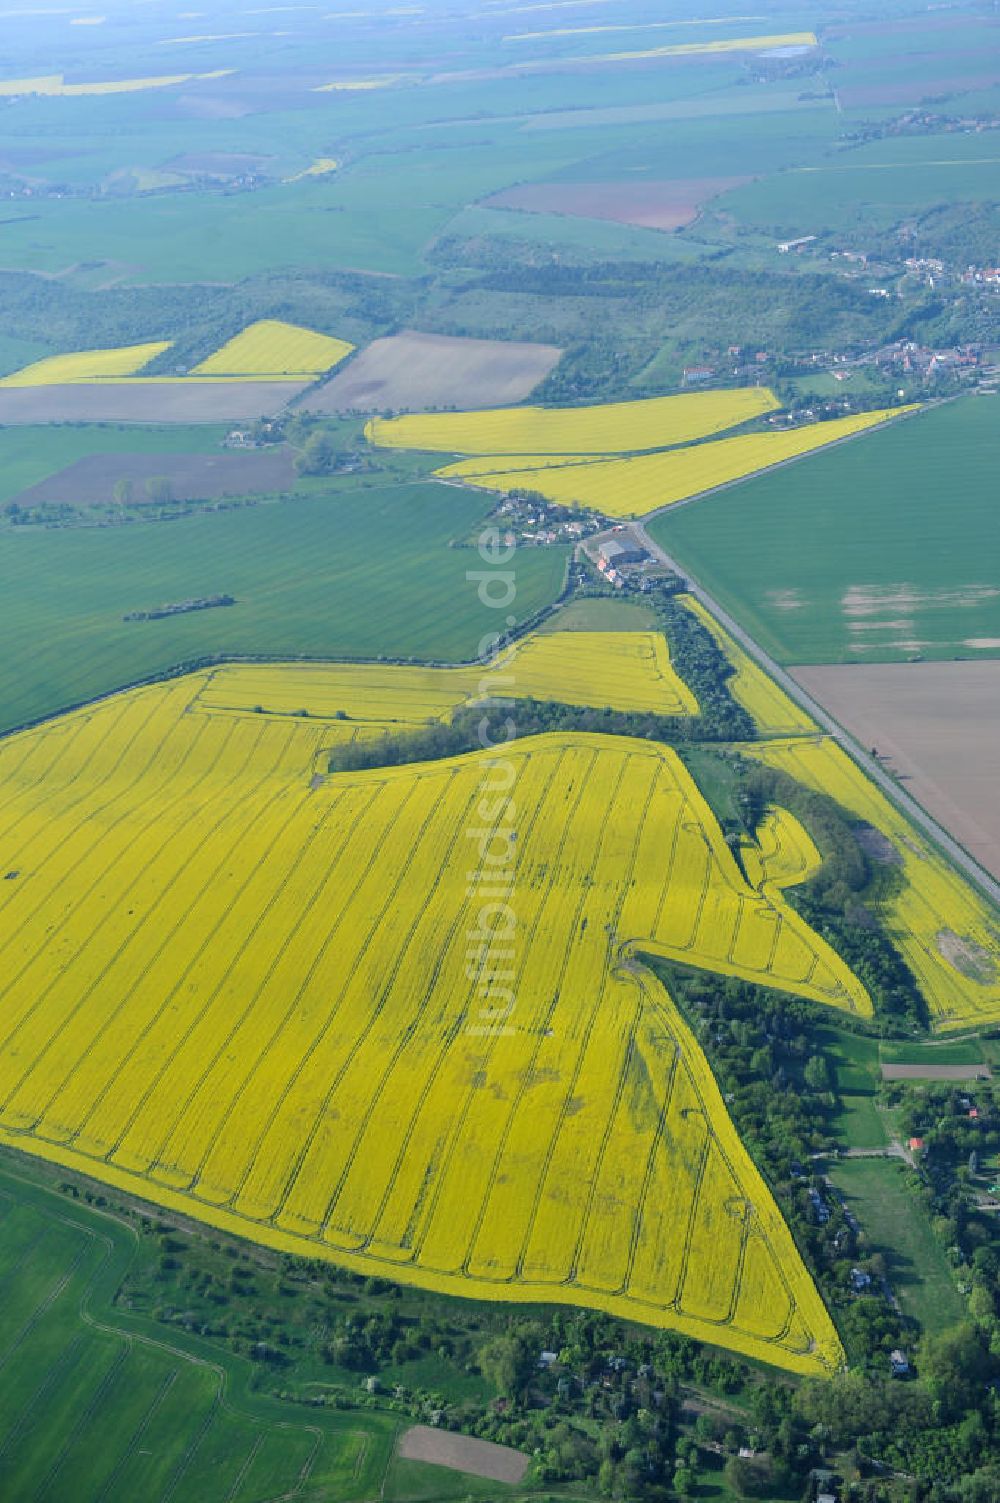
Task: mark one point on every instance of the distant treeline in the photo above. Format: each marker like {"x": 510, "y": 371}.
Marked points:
{"x": 197, "y": 318}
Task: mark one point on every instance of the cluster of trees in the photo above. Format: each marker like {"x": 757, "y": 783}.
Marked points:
{"x": 199, "y": 318}
{"x": 841, "y": 900}
{"x": 694, "y": 652}
{"x": 943, "y": 1428}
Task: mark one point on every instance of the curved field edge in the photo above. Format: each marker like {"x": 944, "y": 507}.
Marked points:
{"x": 235, "y": 1398}
{"x": 653, "y": 1043}
{"x": 822, "y": 1357}
{"x": 312, "y": 580}
{"x": 929, "y": 900}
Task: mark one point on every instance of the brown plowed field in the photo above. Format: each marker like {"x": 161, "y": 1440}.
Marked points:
{"x": 935, "y": 1072}
{"x": 464, "y": 1453}
{"x": 193, "y": 477}
{"x": 936, "y": 725}
{"x": 417, "y": 371}
{"x": 913, "y": 90}
{"x": 157, "y": 402}
{"x": 668, "y": 204}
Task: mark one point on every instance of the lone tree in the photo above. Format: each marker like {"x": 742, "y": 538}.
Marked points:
{"x": 160, "y": 489}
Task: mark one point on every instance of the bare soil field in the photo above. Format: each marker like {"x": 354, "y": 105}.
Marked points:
{"x": 157, "y": 402}
{"x": 91, "y": 481}
{"x": 415, "y": 372}
{"x": 935, "y": 1072}
{"x": 463, "y": 1453}
{"x": 221, "y": 164}
{"x": 936, "y": 725}
{"x": 668, "y": 204}
{"x": 912, "y": 91}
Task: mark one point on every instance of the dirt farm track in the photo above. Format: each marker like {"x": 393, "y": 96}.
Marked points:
{"x": 935, "y": 726}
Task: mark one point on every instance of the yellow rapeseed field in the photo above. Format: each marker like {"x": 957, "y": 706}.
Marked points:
{"x": 87, "y": 365}
{"x": 301, "y": 1009}
{"x": 766, "y": 43}
{"x": 361, "y": 85}
{"x": 54, "y": 84}
{"x": 609, "y": 428}
{"x": 273, "y": 348}
{"x": 946, "y": 932}
{"x": 782, "y": 854}
{"x": 619, "y": 669}
{"x": 320, "y": 168}
{"x": 634, "y": 486}
{"x": 773, "y": 712}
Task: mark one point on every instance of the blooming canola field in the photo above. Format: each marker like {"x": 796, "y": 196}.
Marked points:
{"x": 773, "y": 712}
{"x": 945, "y": 931}
{"x": 273, "y": 348}
{"x": 619, "y": 670}
{"x": 268, "y": 350}
{"x": 263, "y": 997}
{"x": 87, "y": 365}
{"x": 606, "y": 428}
{"x": 642, "y": 483}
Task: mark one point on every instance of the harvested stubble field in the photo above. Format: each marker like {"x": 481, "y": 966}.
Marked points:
{"x": 947, "y": 933}
{"x": 656, "y": 205}
{"x": 186, "y": 400}
{"x": 414, "y": 371}
{"x": 192, "y": 477}
{"x": 938, "y": 725}
{"x": 331, "y": 1087}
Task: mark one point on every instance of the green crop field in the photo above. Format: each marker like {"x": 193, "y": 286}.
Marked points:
{"x": 856, "y": 554}
{"x": 28, "y": 455}
{"x": 342, "y": 574}
{"x": 97, "y": 1403}
{"x": 873, "y": 186}
{"x": 962, "y": 1052}
{"x": 857, "y": 1121}
{"x": 918, "y": 1270}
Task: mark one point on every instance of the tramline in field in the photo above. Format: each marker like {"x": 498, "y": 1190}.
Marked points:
{"x": 635, "y": 486}
{"x": 271, "y": 1084}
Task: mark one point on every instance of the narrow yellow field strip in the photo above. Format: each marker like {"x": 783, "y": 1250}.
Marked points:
{"x": 54, "y": 84}
{"x": 773, "y": 711}
{"x": 947, "y": 933}
{"x": 782, "y": 854}
{"x": 609, "y": 428}
{"x": 636, "y": 486}
{"x": 620, "y": 670}
{"x": 87, "y": 365}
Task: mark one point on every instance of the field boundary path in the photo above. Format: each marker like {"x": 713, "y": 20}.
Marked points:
{"x": 903, "y": 801}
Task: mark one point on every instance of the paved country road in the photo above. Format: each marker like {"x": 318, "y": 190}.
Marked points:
{"x": 914, "y": 811}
